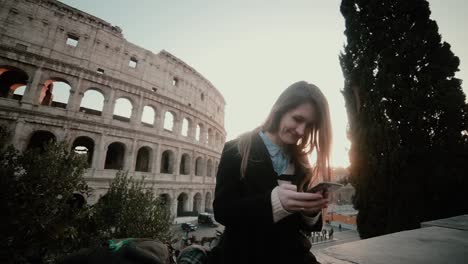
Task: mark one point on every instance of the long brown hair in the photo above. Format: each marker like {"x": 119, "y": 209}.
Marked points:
{"x": 316, "y": 140}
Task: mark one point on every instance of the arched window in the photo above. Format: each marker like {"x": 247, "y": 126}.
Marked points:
{"x": 84, "y": 146}
{"x": 55, "y": 92}
{"x": 19, "y": 92}
{"x": 92, "y": 102}
{"x": 165, "y": 199}
{"x": 205, "y": 138}
{"x": 199, "y": 166}
{"x": 182, "y": 204}
{"x": 39, "y": 139}
{"x": 123, "y": 109}
{"x": 209, "y": 168}
{"x": 185, "y": 164}
{"x": 115, "y": 156}
{"x": 197, "y": 202}
{"x": 167, "y": 162}
{"x": 169, "y": 121}
{"x": 209, "y": 139}
{"x": 185, "y": 127}
{"x": 76, "y": 201}
{"x": 198, "y": 132}
{"x": 218, "y": 139}
{"x": 147, "y": 117}
{"x": 208, "y": 202}
{"x": 11, "y": 79}
{"x": 143, "y": 159}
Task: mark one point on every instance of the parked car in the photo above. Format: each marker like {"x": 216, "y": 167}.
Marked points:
{"x": 188, "y": 227}
{"x": 206, "y": 219}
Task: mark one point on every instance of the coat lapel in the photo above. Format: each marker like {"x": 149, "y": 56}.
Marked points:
{"x": 299, "y": 175}
{"x": 260, "y": 164}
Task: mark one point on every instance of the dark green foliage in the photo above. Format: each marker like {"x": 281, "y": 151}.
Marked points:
{"x": 131, "y": 210}
{"x": 40, "y": 217}
{"x": 38, "y": 220}
{"x": 4, "y": 135}
{"x": 407, "y": 114}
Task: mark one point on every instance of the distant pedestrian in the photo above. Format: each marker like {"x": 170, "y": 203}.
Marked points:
{"x": 339, "y": 227}
{"x": 330, "y": 234}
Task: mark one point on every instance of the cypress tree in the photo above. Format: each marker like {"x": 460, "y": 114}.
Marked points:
{"x": 407, "y": 116}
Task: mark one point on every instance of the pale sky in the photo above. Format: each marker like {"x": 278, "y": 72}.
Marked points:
{"x": 251, "y": 50}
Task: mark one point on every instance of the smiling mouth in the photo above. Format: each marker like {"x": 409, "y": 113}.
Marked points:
{"x": 294, "y": 135}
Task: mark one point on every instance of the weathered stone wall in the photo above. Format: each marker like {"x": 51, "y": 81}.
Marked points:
{"x": 35, "y": 51}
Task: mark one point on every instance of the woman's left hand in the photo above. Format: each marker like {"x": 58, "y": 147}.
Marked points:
{"x": 315, "y": 210}
{"x": 294, "y": 201}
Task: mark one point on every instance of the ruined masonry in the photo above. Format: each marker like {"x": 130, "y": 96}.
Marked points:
{"x": 66, "y": 75}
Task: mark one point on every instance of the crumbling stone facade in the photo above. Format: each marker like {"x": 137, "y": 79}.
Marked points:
{"x": 174, "y": 130}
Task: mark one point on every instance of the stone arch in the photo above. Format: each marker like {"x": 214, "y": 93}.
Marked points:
{"x": 186, "y": 122}
{"x": 169, "y": 121}
{"x": 40, "y": 138}
{"x": 217, "y": 139}
{"x": 209, "y": 168}
{"x": 55, "y": 92}
{"x": 11, "y": 78}
{"x": 182, "y": 204}
{"x": 205, "y": 138}
{"x": 19, "y": 92}
{"x": 123, "y": 109}
{"x": 167, "y": 162}
{"x": 92, "y": 102}
{"x": 147, "y": 117}
{"x": 197, "y": 203}
{"x": 84, "y": 145}
{"x": 209, "y": 138}
{"x": 76, "y": 201}
{"x": 166, "y": 200}
{"x": 115, "y": 156}
{"x": 198, "y": 132}
{"x": 216, "y": 168}
{"x": 143, "y": 159}
{"x": 208, "y": 202}
{"x": 199, "y": 166}
{"x": 185, "y": 164}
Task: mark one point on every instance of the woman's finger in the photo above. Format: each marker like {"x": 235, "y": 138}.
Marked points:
{"x": 308, "y": 204}
{"x": 306, "y": 196}
{"x": 299, "y": 195}
{"x": 297, "y": 205}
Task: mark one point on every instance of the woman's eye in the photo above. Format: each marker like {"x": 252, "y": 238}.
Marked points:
{"x": 298, "y": 119}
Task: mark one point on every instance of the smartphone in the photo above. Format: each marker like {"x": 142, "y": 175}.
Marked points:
{"x": 325, "y": 186}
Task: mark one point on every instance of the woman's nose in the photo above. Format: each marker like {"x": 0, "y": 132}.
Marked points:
{"x": 300, "y": 130}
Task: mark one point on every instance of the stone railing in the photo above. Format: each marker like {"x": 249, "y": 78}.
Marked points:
{"x": 439, "y": 241}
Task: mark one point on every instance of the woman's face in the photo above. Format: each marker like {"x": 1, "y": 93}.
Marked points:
{"x": 295, "y": 123}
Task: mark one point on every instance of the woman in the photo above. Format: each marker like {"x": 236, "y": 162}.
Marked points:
{"x": 262, "y": 177}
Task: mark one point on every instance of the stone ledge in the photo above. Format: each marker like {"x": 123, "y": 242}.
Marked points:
{"x": 457, "y": 222}
{"x": 432, "y": 244}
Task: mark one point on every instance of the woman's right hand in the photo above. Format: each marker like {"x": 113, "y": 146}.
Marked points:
{"x": 294, "y": 201}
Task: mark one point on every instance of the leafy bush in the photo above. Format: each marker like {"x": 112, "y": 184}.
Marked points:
{"x": 129, "y": 209}
{"x": 42, "y": 218}
{"x": 37, "y": 192}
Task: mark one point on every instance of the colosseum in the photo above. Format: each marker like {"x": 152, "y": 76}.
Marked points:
{"x": 66, "y": 75}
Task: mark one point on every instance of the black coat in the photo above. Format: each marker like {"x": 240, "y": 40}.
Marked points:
{"x": 244, "y": 207}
